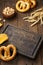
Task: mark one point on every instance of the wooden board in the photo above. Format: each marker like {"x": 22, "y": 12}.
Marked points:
{"x": 27, "y": 43}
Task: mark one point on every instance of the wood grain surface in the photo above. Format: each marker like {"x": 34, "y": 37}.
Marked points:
{"x": 18, "y": 21}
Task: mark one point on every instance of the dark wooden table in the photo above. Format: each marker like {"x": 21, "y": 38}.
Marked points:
{"x": 18, "y": 22}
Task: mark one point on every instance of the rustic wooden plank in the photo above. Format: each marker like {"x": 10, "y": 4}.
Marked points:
{"x": 21, "y": 60}
{"x": 39, "y": 60}
{"x": 40, "y": 29}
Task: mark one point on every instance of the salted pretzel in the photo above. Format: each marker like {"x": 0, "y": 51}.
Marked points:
{"x": 22, "y": 6}
{"x": 6, "y": 55}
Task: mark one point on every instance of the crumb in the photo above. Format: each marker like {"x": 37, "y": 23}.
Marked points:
{"x": 4, "y": 20}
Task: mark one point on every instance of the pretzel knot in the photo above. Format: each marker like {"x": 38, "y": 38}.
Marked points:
{"x": 7, "y": 53}
{"x": 22, "y": 6}
{"x": 33, "y": 3}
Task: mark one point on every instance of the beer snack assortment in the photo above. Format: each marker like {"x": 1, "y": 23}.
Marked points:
{"x": 8, "y": 12}
{"x": 21, "y": 6}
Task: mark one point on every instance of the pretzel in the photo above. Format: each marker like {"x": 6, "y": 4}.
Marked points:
{"x": 3, "y": 48}
{"x": 22, "y": 6}
{"x": 6, "y": 56}
{"x": 33, "y": 3}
